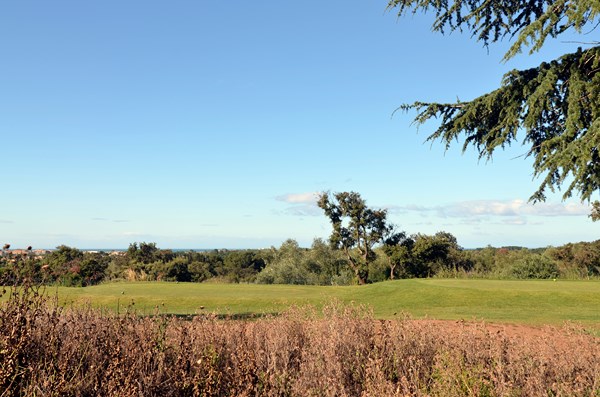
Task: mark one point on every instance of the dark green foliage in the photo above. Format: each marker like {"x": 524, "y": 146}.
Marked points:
{"x": 175, "y": 270}
{"x": 199, "y": 271}
{"x": 595, "y": 215}
{"x": 242, "y": 266}
{"x": 203, "y": 265}
{"x": 63, "y": 255}
{"x": 439, "y": 253}
{"x": 534, "y": 266}
{"x": 529, "y": 22}
{"x": 93, "y": 268}
{"x": 398, "y": 248}
{"x": 570, "y": 261}
{"x": 68, "y": 266}
{"x": 17, "y": 269}
{"x": 63, "y": 265}
{"x": 556, "y": 106}
{"x": 143, "y": 253}
{"x": 399, "y": 256}
{"x": 579, "y": 260}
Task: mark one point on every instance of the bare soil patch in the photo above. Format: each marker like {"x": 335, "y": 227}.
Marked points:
{"x": 518, "y": 332}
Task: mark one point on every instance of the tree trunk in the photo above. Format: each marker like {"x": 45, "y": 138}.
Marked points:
{"x": 362, "y": 279}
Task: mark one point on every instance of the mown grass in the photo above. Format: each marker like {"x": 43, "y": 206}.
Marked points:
{"x": 525, "y": 302}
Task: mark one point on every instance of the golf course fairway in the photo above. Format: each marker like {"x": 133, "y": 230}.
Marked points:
{"x": 525, "y": 302}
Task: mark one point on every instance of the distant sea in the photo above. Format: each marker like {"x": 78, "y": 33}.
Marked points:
{"x": 172, "y": 249}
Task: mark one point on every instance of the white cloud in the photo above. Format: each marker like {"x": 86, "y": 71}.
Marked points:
{"x": 403, "y": 209}
{"x": 304, "y": 210}
{"x": 505, "y": 208}
{"x": 302, "y": 204}
{"x": 479, "y": 208}
{"x": 513, "y": 208}
{"x": 300, "y": 198}
{"x": 557, "y": 209}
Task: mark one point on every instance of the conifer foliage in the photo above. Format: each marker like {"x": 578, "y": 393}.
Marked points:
{"x": 553, "y": 109}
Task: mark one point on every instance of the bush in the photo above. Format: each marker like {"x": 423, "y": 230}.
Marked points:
{"x": 177, "y": 270}
{"x": 534, "y": 266}
{"x": 291, "y": 264}
{"x": 286, "y": 271}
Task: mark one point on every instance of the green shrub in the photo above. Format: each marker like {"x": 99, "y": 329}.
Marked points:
{"x": 534, "y": 266}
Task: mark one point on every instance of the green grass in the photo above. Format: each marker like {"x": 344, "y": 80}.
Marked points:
{"x": 526, "y": 302}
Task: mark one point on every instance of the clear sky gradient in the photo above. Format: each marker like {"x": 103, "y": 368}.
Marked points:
{"x": 211, "y": 124}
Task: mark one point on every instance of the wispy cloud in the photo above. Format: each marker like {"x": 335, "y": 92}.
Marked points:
{"x": 515, "y": 221}
{"x": 304, "y": 210}
{"x": 514, "y": 212}
{"x": 513, "y": 208}
{"x": 110, "y": 220}
{"x": 557, "y": 209}
{"x": 403, "y": 209}
{"x": 300, "y": 198}
{"x": 5, "y": 221}
{"x": 302, "y": 204}
{"x": 480, "y": 208}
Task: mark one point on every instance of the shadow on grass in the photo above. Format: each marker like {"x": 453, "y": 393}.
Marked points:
{"x": 219, "y": 316}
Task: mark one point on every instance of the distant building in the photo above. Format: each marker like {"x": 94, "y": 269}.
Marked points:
{"x": 22, "y": 252}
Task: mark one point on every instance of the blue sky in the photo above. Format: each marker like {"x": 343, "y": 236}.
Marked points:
{"x": 211, "y": 124}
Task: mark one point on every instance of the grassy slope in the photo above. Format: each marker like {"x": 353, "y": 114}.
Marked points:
{"x": 529, "y": 302}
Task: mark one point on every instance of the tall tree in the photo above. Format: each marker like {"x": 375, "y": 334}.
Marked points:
{"x": 356, "y": 229}
{"x": 556, "y": 105}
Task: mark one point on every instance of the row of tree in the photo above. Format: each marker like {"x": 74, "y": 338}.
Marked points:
{"x": 418, "y": 255}
{"x": 363, "y": 247}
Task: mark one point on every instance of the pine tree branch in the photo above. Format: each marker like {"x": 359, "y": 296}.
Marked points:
{"x": 556, "y": 108}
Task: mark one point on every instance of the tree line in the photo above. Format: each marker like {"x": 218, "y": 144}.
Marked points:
{"x": 363, "y": 247}
{"x": 420, "y": 255}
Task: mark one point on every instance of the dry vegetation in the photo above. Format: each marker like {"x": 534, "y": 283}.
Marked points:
{"x": 46, "y": 350}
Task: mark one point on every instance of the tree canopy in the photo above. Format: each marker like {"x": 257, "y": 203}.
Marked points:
{"x": 553, "y": 109}
{"x": 356, "y": 229}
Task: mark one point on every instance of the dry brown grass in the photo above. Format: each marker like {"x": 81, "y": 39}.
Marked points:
{"x": 47, "y": 351}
